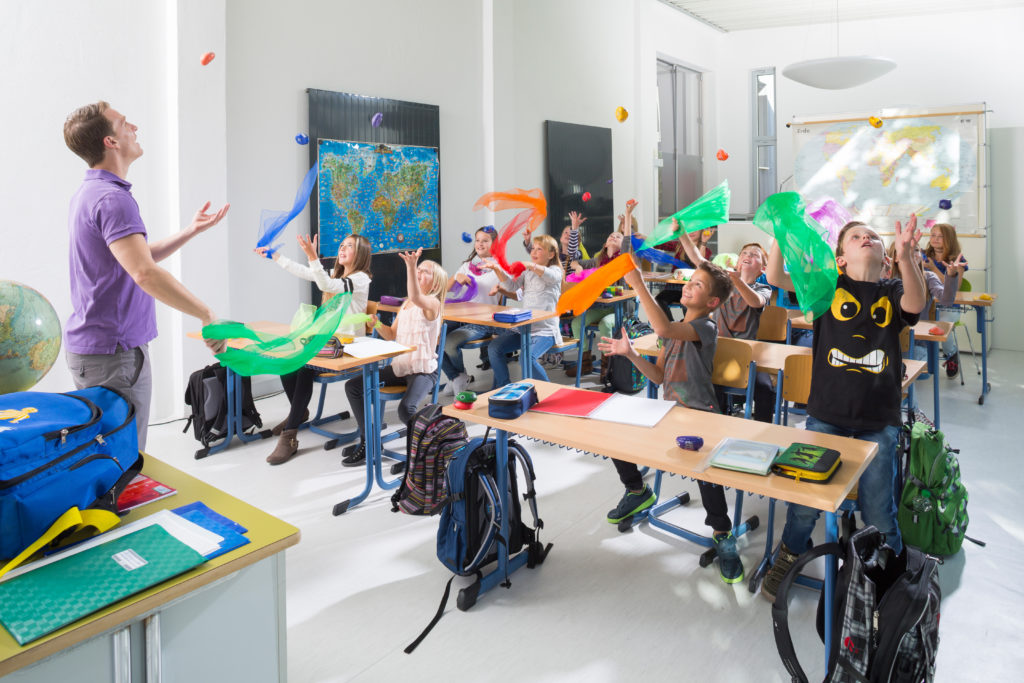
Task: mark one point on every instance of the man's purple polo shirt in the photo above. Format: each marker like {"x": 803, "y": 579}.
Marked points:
{"x": 109, "y": 308}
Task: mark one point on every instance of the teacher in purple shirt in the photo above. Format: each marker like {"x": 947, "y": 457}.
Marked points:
{"x": 114, "y": 271}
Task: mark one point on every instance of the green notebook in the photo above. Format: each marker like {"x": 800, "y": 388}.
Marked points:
{"x": 45, "y": 599}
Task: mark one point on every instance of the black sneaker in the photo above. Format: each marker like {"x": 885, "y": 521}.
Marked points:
{"x": 953, "y": 365}
{"x": 729, "y": 564}
{"x": 631, "y": 504}
{"x": 354, "y": 455}
{"x": 783, "y": 561}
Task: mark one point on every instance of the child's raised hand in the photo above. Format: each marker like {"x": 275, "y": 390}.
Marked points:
{"x": 262, "y": 251}
{"x": 411, "y": 258}
{"x": 907, "y": 237}
{"x": 634, "y": 279}
{"x": 495, "y": 290}
{"x": 462, "y": 279}
{"x": 576, "y": 266}
{"x": 576, "y": 219}
{"x": 616, "y": 347}
{"x": 630, "y": 205}
{"x": 309, "y": 247}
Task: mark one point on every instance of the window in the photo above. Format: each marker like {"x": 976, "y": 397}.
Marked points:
{"x": 681, "y": 176}
{"x": 764, "y": 176}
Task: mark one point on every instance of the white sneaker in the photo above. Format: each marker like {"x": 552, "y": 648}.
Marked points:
{"x": 460, "y": 383}
{"x": 446, "y": 390}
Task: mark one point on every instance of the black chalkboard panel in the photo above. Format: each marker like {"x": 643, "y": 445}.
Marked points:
{"x": 579, "y": 160}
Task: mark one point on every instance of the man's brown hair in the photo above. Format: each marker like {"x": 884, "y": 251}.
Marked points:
{"x": 721, "y": 285}
{"x": 84, "y": 131}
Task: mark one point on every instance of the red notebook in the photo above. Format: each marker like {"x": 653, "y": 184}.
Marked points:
{"x": 142, "y": 490}
{"x": 571, "y": 402}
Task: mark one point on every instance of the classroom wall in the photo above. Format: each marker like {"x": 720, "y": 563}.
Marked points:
{"x": 55, "y": 57}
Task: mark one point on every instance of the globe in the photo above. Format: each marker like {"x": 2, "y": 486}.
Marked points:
{"x": 29, "y": 336}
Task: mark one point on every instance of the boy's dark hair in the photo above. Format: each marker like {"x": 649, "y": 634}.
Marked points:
{"x": 84, "y": 131}
{"x": 721, "y": 285}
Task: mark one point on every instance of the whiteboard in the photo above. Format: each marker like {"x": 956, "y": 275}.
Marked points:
{"x": 913, "y": 162}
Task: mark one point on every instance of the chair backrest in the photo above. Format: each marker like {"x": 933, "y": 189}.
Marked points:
{"x": 371, "y": 309}
{"x": 905, "y": 340}
{"x": 965, "y": 285}
{"x": 732, "y": 363}
{"x": 772, "y": 326}
{"x": 796, "y": 378}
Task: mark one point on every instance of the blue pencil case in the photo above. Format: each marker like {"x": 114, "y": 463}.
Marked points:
{"x": 511, "y": 401}
{"x": 513, "y": 315}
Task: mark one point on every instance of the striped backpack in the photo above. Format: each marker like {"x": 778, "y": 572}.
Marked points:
{"x": 431, "y": 441}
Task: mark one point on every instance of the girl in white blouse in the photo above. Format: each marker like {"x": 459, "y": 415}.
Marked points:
{"x": 417, "y": 325}
{"x": 351, "y": 274}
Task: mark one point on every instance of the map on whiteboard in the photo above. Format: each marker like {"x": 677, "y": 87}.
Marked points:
{"x": 908, "y": 165}
{"x": 388, "y": 193}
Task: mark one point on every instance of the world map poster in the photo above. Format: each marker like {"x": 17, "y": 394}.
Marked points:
{"x": 927, "y": 165}
{"x": 387, "y": 193}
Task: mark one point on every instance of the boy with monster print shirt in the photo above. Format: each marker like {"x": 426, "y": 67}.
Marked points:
{"x": 856, "y": 375}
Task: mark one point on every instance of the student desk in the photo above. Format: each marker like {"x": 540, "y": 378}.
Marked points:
{"x": 483, "y": 314}
{"x": 979, "y": 304}
{"x": 656, "y": 448}
{"x": 370, "y": 369}
{"x": 223, "y": 620}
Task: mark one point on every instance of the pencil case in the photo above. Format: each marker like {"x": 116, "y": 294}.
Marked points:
{"x": 514, "y": 315}
{"x": 511, "y": 401}
{"x": 391, "y": 300}
{"x": 806, "y": 462}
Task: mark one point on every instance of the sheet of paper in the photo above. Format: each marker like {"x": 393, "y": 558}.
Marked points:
{"x": 572, "y": 402}
{"x": 365, "y": 347}
{"x": 632, "y": 410}
{"x": 189, "y": 533}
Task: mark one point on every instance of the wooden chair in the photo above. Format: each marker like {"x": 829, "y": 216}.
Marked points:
{"x": 794, "y": 384}
{"x": 773, "y": 324}
{"x": 734, "y": 370}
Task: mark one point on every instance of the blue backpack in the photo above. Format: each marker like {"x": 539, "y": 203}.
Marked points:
{"x": 64, "y": 460}
{"x": 469, "y": 532}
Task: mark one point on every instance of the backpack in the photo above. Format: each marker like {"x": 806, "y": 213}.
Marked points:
{"x": 932, "y": 511}
{"x": 206, "y": 393}
{"x": 621, "y": 375}
{"x": 431, "y": 441}
{"x": 469, "y": 531}
{"x": 885, "y": 621}
{"x": 64, "y": 460}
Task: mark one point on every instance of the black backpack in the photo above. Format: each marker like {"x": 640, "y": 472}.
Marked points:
{"x": 431, "y": 441}
{"x": 468, "y": 535}
{"x": 207, "y": 395}
{"x": 621, "y": 375}
{"x": 885, "y": 618}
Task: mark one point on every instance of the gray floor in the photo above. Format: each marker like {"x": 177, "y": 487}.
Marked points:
{"x": 605, "y": 606}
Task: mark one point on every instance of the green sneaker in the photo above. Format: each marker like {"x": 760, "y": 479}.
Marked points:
{"x": 631, "y": 504}
{"x": 729, "y": 564}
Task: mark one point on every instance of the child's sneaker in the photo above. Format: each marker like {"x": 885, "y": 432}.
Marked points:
{"x": 783, "y": 561}
{"x": 632, "y": 503}
{"x": 729, "y": 564}
{"x": 953, "y": 365}
{"x": 460, "y": 383}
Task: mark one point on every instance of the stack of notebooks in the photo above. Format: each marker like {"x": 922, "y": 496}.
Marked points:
{"x": 43, "y": 596}
{"x": 800, "y": 461}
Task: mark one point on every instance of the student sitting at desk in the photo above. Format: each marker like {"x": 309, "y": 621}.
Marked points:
{"x": 452, "y": 363}
{"x": 944, "y": 258}
{"x": 541, "y": 283}
{"x": 739, "y": 315}
{"x": 684, "y": 370}
{"x": 856, "y": 376}
{"x": 351, "y": 274}
{"x": 599, "y": 314}
{"x": 417, "y": 325}
{"x": 669, "y": 294}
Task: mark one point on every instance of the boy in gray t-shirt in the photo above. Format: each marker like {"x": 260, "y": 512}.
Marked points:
{"x": 684, "y": 371}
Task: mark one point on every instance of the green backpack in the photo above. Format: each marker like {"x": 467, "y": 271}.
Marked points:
{"x": 933, "y": 507}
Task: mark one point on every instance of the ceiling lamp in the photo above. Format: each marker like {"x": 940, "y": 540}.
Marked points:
{"x": 836, "y": 73}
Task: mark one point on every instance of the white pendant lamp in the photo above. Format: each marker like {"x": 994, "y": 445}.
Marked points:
{"x": 837, "y": 73}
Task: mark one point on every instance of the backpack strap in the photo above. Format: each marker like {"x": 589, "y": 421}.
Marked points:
{"x": 71, "y": 520}
{"x": 536, "y": 551}
{"x": 780, "y": 610}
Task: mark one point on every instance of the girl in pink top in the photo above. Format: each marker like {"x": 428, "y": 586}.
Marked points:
{"x": 417, "y": 325}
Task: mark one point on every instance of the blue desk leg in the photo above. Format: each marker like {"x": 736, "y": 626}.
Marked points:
{"x": 979, "y": 314}
{"x": 505, "y": 565}
{"x": 525, "y": 356}
{"x": 778, "y": 397}
{"x": 933, "y": 367}
{"x": 831, "y": 536}
{"x": 371, "y": 388}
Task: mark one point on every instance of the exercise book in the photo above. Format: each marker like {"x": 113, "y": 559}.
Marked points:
{"x": 571, "y": 402}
